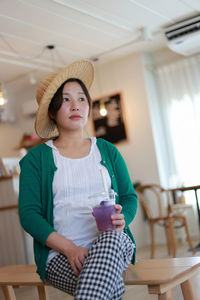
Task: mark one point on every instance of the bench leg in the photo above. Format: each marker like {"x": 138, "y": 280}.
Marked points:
{"x": 8, "y": 292}
{"x": 156, "y": 290}
{"x": 188, "y": 290}
{"x": 42, "y": 292}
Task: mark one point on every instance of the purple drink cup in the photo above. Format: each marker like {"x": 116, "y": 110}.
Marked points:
{"x": 103, "y": 211}
{"x": 102, "y": 216}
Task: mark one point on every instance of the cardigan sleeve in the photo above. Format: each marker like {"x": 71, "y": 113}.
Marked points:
{"x": 30, "y": 199}
{"x": 126, "y": 192}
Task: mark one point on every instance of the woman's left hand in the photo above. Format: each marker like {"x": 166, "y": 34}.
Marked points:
{"x": 118, "y": 219}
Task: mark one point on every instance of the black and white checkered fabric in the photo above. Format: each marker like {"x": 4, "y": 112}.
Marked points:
{"x": 101, "y": 276}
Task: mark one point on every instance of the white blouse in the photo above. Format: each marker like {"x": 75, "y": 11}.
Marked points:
{"x": 74, "y": 181}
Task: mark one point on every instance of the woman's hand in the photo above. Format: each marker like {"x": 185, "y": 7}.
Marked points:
{"x": 76, "y": 256}
{"x": 118, "y": 219}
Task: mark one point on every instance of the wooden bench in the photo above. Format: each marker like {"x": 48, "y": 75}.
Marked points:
{"x": 162, "y": 275}
{"x": 159, "y": 275}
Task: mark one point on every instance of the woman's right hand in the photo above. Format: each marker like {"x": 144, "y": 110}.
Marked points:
{"x": 76, "y": 256}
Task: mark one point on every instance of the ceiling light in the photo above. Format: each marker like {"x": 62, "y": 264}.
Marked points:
{"x": 3, "y": 100}
{"x": 103, "y": 110}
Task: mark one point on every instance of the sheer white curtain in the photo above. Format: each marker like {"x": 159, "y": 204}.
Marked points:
{"x": 179, "y": 88}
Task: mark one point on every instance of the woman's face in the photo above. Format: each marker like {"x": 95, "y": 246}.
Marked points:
{"x": 73, "y": 113}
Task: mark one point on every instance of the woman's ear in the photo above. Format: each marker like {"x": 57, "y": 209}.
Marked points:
{"x": 52, "y": 118}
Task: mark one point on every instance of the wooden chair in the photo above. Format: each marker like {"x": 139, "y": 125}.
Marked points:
{"x": 168, "y": 220}
{"x": 159, "y": 275}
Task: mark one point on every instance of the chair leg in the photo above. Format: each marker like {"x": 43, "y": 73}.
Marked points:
{"x": 8, "y": 292}
{"x": 188, "y": 236}
{"x": 168, "y": 240}
{"x": 172, "y": 236}
{"x": 152, "y": 239}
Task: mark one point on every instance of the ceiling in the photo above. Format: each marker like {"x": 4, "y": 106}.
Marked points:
{"x": 94, "y": 29}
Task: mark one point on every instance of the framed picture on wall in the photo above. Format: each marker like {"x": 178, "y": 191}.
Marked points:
{"x": 108, "y": 118}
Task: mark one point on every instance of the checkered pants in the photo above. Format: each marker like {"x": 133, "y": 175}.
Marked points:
{"x": 101, "y": 275}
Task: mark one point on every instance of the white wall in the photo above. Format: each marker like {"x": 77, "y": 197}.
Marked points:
{"x": 126, "y": 76}
{"x": 10, "y": 136}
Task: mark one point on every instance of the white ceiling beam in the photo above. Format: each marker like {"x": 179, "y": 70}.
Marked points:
{"x": 25, "y": 64}
{"x": 44, "y": 29}
{"x": 76, "y": 22}
{"x": 35, "y": 43}
{"x": 38, "y": 60}
{"x": 194, "y": 4}
{"x": 156, "y": 13}
{"x": 94, "y": 15}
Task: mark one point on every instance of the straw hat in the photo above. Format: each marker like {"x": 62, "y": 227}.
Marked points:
{"x": 82, "y": 69}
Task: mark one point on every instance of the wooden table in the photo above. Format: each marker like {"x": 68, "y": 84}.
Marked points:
{"x": 162, "y": 275}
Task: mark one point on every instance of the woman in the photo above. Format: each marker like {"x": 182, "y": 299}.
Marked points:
{"x": 56, "y": 180}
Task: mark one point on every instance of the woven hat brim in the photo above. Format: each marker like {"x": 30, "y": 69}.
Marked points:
{"x": 82, "y": 70}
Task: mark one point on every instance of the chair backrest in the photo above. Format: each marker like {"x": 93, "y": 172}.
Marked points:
{"x": 158, "y": 196}
{"x": 12, "y": 250}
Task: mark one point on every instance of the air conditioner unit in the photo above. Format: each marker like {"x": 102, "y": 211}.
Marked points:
{"x": 184, "y": 37}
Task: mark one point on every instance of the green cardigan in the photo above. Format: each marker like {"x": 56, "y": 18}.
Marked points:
{"x": 36, "y": 195}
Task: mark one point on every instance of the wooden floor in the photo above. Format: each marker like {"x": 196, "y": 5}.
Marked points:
{"x": 132, "y": 293}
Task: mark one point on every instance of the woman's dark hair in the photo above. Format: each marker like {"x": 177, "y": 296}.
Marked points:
{"x": 57, "y": 99}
